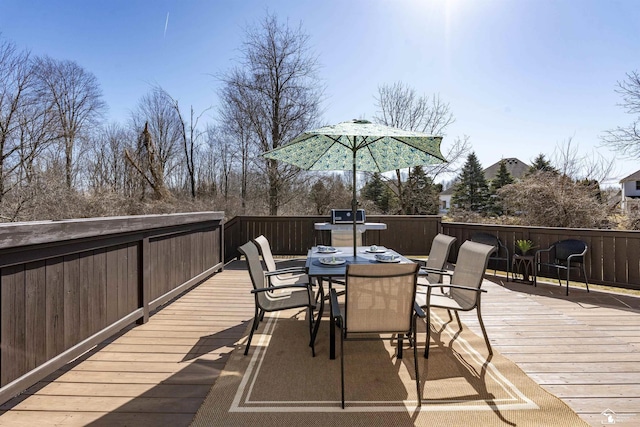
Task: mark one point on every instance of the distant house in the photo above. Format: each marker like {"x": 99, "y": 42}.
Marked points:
{"x": 516, "y": 168}
{"x": 630, "y": 191}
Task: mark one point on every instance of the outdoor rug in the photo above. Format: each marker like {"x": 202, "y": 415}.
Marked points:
{"x": 280, "y": 383}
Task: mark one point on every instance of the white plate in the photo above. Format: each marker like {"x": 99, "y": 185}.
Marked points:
{"x": 332, "y": 261}
{"x": 377, "y": 251}
{"x": 387, "y": 258}
{"x": 326, "y": 250}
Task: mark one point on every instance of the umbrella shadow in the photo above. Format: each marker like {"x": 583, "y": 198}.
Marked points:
{"x": 214, "y": 342}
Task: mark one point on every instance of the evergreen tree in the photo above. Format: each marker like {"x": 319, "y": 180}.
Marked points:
{"x": 379, "y": 193}
{"x": 540, "y": 163}
{"x": 503, "y": 177}
{"x": 472, "y": 192}
{"x": 422, "y": 195}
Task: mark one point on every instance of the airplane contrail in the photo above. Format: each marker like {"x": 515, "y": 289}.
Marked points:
{"x": 166, "y": 24}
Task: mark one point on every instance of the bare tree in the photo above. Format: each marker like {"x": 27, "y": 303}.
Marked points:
{"x": 551, "y": 200}
{"x": 626, "y": 139}
{"x": 156, "y": 111}
{"x": 400, "y": 106}
{"x": 567, "y": 194}
{"x": 75, "y": 97}
{"x": 568, "y": 160}
{"x": 237, "y": 127}
{"x": 146, "y": 161}
{"x": 15, "y": 81}
{"x": 277, "y": 89}
{"x": 107, "y": 170}
{"x": 190, "y": 137}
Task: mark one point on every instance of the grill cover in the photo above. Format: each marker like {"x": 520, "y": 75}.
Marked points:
{"x": 343, "y": 216}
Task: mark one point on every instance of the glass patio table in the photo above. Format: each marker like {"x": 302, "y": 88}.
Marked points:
{"x": 327, "y": 263}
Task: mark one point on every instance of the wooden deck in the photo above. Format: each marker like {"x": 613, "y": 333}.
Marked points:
{"x": 584, "y": 348}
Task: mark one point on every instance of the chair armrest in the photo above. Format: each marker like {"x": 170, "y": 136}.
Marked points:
{"x": 427, "y": 270}
{"x": 275, "y": 288}
{"x": 422, "y": 262}
{"x": 418, "y": 310}
{"x": 539, "y": 251}
{"x": 447, "y": 285}
{"x": 288, "y": 270}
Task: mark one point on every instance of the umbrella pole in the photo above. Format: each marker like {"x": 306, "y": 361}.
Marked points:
{"x": 354, "y": 202}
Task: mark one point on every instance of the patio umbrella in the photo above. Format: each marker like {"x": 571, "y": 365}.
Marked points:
{"x": 359, "y": 146}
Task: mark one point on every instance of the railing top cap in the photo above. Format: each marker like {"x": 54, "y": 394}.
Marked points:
{"x": 39, "y": 232}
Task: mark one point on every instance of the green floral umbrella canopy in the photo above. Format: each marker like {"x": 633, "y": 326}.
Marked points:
{"x": 377, "y": 148}
{"x": 359, "y": 145}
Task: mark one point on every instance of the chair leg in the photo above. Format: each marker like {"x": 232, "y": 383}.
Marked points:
{"x": 586, "y": 280}
{"x": 484, "y": 331}
{"x": 568, "y": 274}
{"x": 256, "y": 321}
{"x": 415, "y": 361}
{"x": 317, "y": 324}
{"x": 458, "y": 319}
{"x": 426, "y": 345}
{"x": 342, "y": 365}
{"x": 400, "y": 343}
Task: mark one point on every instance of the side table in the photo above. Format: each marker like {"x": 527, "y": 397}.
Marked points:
{"x": 524, "y": 266}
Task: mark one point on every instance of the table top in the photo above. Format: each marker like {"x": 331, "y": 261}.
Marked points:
{"x": 364, "y": 256}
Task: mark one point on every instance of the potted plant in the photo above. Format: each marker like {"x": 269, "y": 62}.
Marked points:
{"x": 524, "y": 246}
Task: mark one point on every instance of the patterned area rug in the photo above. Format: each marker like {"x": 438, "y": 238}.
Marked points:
{"x": 280, "y": 383}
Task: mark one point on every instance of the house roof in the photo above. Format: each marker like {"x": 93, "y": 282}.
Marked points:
{"x": 633, "y": 177}
{"x": 516, "y": 168}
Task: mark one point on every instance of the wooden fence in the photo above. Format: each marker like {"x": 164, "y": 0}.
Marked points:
{"x": 409, "y": 235}
{"x": 66, "y": 286}
{"x": 613, "y": 258}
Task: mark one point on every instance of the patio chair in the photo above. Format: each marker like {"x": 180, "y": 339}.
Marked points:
{"x": 438, "y": 256}
{"x": 500, "y": 253}
{"x": 279, "y": 276}
{"x": 464, "y": 292}
{"x": 379, "y": 299}
{"x": 563, "y": 255}
{"x": 271, "y": 298}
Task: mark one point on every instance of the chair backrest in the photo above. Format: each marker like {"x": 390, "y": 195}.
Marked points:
{"x": 438, "y": 255}
{"x": 471, "y": 265}
{"x": 565, "y": 248}
{"x": 265, "y": 250}
{"x": 250, "y": 251}
{"x": 345, "y": 238}
{"x": 380, "y": 297}
{"x": 491, "y": 240}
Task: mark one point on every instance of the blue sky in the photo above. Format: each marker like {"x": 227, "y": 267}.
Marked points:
{"x": 521, "y": 76}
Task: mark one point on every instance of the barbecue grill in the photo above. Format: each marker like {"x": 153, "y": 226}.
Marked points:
{"x": 341, "y": 226}
{"x": 344, "y": 216}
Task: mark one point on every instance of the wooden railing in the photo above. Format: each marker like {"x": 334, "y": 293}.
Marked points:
{"x": 613, "y": 258}
{"x": 66, "y": 286}
{"x": 409, "y": 235}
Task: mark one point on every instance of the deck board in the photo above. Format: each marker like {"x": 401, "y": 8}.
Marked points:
{"x": 584, "y": 348}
